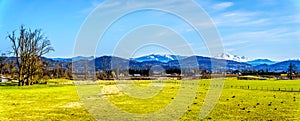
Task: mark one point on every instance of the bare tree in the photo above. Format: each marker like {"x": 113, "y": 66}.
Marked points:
{"x": 28, "y": 48}
{"x": 69, "y": 71}
{"x": 291, "y": 70}
{"x": 2, "y": 63}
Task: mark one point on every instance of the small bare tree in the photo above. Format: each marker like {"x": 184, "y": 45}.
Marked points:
{"x": 291, "y": 70}
{"x": 28, "y": 48}
{"x": 2, "y": 63}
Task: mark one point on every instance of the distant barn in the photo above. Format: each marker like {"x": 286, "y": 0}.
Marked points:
{"x": 5, "y": 79}
{"x": 248, "y": 78}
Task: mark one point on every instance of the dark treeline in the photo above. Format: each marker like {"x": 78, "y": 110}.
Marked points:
{"x": 48, "y": 70}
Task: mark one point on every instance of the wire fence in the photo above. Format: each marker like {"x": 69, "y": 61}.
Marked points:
{"x": 246, "y": 87}
{"x": 180, "y": 82}
{"x": 265, "y": 88}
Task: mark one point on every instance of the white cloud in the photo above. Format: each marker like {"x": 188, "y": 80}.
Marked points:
{"x": 92, "y": 6}
{"x": 271, "y": 35}
{"x": 238, "y": 18}
{"x": 109, "y": 5}
{"x": 222, "y": 6}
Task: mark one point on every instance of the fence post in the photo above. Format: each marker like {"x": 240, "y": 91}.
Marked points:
{"x": 248, "y": 86}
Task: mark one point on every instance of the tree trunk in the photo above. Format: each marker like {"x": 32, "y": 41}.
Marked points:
{"x": 21, "y": 83}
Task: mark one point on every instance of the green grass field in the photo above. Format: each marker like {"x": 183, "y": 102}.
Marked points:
{"x": 41, "y": 102}
{"x": 261, "y": 101}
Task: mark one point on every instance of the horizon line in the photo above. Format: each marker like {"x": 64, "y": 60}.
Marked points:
{"x": 96, "y": 56}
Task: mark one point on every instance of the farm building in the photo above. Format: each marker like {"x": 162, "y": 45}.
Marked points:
{"x": 5, "y": 79}
{"x": 248, "y": 78}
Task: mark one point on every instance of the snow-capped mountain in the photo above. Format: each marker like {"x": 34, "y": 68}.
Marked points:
{"x": 229, "y": 56}
{"x": 158, "y": 57}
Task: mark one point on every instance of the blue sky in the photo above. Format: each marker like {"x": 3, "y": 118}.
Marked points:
{"x": 253, "y": 28}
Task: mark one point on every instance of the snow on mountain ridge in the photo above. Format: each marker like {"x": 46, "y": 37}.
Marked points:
{"x": 166, "y": 58}
{"x": 154, "y": 57}
{"x": 228, "y": 56}
{"x": 158, "y": 57}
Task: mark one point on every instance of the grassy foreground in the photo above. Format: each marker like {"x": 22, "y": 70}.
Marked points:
{"x": 237, "y": 102}
{"x": 41, "y": 102}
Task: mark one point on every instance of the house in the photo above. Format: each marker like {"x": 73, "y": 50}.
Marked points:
{"x": 249, "y": 78}
{"x": 5, "y": 79}
{"x": 137, "y": 75}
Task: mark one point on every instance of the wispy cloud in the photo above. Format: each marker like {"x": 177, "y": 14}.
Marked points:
{"x": 239, "y": 18}
{"x": 271, "y": 36}
{"x": 222, "y": 6}
{"x": 93, "y": 5}
{"x": 290, "y": 19}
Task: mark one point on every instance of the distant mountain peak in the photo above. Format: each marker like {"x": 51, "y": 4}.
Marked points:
{"x": 158, "y": 57}
{"x": 229, "y": 56}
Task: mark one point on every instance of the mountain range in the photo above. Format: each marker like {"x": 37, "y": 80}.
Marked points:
{"x": 173, "y": 61}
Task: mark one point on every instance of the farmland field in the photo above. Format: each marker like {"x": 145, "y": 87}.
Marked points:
{"x": 41, "y": 102}
{"x": 240, "y": 100}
